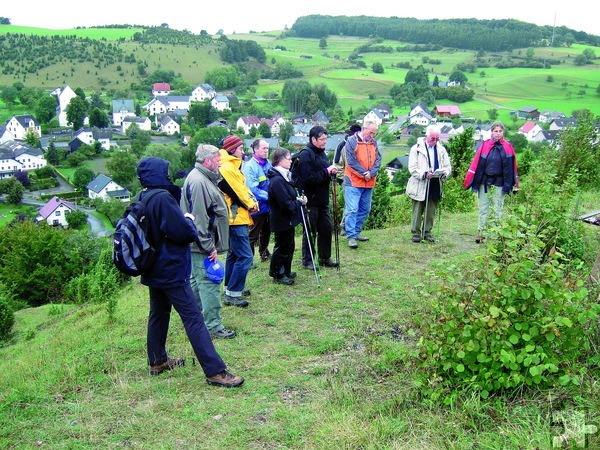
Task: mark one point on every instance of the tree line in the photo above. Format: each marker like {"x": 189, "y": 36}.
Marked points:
{"x": 468, "y": 34}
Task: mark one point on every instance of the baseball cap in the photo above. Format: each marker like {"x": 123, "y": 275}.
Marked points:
{"x": 214, "y": 270}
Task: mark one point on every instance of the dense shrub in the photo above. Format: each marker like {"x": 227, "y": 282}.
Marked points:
{"x": 519, "y": 314}
{"x": 7, "y": 319}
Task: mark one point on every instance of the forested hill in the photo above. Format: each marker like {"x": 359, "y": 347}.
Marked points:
{"x": 469, "y": 34}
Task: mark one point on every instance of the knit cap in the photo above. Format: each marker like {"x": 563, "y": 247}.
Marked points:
{"x": 231, "y": 143}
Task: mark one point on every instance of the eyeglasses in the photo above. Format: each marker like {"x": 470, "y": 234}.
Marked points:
{"x": 322, "y": 139}
{"x": 289, "y": 158}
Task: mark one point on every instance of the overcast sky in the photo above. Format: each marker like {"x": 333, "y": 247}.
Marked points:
{"x": 241, "y": 16}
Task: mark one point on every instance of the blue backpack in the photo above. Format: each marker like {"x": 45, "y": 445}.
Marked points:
{"x": 133, "y": 253}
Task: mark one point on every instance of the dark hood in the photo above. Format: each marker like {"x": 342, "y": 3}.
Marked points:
{"x": 153, "y": 172}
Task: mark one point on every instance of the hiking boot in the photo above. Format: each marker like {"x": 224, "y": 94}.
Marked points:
{"x": 265, "y": 257}
{"x": 429, "y": 238}
{"x": 235, "y": 301}
{"x": 225, "y": 379}
{"x": 416, "y": 238}
{"x": 352, "y": 243}
{"x": 169, "y": 364}
{"x": 309, "y": 266}
{"x": 283, "y": 280}
{"x": 329, "y": 263}
{"x": 362, "y": 238}
{"x": 246, "y": 293}
{"x": 291, "y": 275}
{"x": 223, "y": 333}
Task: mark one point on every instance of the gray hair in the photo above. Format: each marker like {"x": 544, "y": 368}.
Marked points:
{"x": 205, "y": 151}
{"x": 432, "y": 129}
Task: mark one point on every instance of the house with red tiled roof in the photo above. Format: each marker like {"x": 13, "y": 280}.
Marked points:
{"x": 247, "y": 122}
{"x": 446, "y": 111}
{"x": 529, "y": 130}
{"x": 55, "y": 212}
{"x": 161, "y": 89}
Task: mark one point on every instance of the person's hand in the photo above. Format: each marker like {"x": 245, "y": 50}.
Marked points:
{"x": 189, "y": 216}
{"x": 213, "y": 255}
{"x": 429, "y": 175}
{"x": 367, "y": 176}
{"x": 254, "y": 209}
{"x": 302, "y": 199}
{"x": 332, "y": 170}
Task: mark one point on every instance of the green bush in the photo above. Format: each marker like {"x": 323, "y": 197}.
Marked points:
{"x": 7, "y": 319}
{"x": 519, "y": 315}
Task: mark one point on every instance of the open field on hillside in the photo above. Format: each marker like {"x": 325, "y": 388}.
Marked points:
{"x": 507, "y": 88}
{"x": 326, "y": 367}
{"x": 111, "y": 34}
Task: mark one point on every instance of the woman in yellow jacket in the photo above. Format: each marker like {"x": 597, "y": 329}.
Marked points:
{"x": 240, "y": 203}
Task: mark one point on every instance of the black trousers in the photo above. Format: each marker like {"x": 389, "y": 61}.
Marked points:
{"x": 260, "y": 232}
{"x": 320, "y": 229}
{"x": 283, "y": 253}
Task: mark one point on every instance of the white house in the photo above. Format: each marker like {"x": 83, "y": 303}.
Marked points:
{"x": 122, "y": 108}
{"x": 374, "y": 116}
{"x": 563, "y": 123}
{"x": 5, "y": 135}
{"x": 55, "y": 212}
{"x": 549, "y": 116}
{"x": 143, "y": 123}
{"x": 15, "y": 156}
{"x": 20, "y": 126}
{"x": 103, "y": 187}
{"x": 529, "y": 130}
{"x": 420, "y": 115}
{"x": 63, "y": 95}
{"x": 168, "y": 126}
{"x": 90, "y": 135}
{"x": 169, "y": 103}
{"x": 247, "y": 122}
{"x": 161, "y": 89}
{"x": 220, "y": 103}
{"x": 202, "y": 92}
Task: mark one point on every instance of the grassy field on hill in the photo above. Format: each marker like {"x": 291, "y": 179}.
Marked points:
{"x": 326, "y": 367}
{"x": 509, "y": 89}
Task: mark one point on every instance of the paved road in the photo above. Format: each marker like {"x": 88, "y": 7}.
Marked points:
{"x": 96, "y": 225}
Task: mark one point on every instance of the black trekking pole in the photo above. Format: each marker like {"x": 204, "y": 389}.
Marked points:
{"x": 336, "y": 225}
{"x": 306, "y": 225}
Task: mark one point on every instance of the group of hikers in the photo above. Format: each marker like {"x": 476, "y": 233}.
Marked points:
{"x": 230, "y": 204}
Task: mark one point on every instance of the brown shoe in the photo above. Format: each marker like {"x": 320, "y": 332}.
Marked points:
{"x": 225, "y": 379}
{"x": 169, "y": 364}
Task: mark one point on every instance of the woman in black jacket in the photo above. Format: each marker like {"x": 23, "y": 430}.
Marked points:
{"x": 284, "y": 216}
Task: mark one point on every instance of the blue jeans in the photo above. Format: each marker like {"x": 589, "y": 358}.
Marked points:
{"x": 358, "y": 206}
{"x": 182, "y": 299}
{"x": 206, "y": 293}
{"x": 239, "y": 260}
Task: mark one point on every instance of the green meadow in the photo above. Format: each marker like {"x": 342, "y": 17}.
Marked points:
{"x": 564, "y": 87}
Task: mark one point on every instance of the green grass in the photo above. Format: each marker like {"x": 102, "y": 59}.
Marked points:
{"x": 326, "y": 367}
{"x": 504, "y": 89}
{"x": 111, "y": 34}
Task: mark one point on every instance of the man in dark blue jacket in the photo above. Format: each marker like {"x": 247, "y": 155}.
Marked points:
{"x": 171, "y": 233}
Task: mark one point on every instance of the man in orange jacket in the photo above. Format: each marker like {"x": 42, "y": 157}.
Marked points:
{"x": 362, "y": 164}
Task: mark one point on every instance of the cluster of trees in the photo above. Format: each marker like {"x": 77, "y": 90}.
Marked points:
{"x": 238, "y": 51}
{"x": 21, "y": 54}
{"x": 300, "y": 97}
{"x": 473, "y": 34}
{"x": 416, "y": 88}
{"x": 166, "y": 35}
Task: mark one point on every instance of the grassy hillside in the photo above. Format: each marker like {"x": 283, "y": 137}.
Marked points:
{"x": 507, "y": 89}
{"x": 326, "y": 367}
